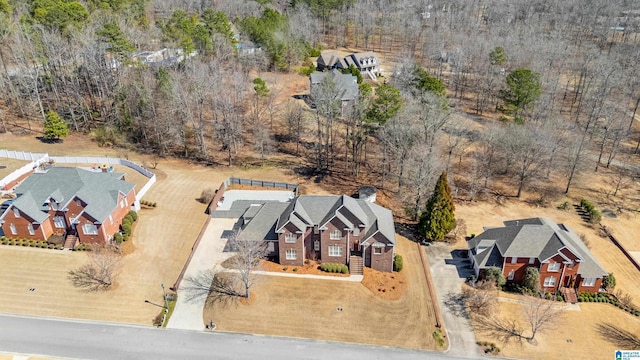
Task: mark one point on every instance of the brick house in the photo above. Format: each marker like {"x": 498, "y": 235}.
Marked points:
{"x": 334, "y": 229}
{"x": 70, "y": 203}
{"x": 561, "y": 257}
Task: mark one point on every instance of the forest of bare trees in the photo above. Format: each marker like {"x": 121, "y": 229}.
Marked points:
{"x": 537, "y": 92}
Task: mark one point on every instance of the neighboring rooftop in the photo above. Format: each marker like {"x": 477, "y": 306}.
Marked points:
{"x": 534, "y": 237}
{"x": 99, "y": 190}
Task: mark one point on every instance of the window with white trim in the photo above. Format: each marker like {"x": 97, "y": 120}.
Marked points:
{"x": 292, "y": 254}
{"x": 290, "y": 238}
{"x": 30, "y": 228}
{"x": 54, "y": 205}
{"x": 90, "y": 229}
{"x": 335, "y": 250}
{"x": 271, "y": 246}
{"x": 514, "y": 260}
{"x": 356, "y": 231}
{"x": 553, "y": 267}
{"x": 126, "y": 201}
{"x": 335, "y": 235}
{"x": 111, "y": 219}
{"x": 16, "y": 212}
{"x": 121, "y": 203}
{"x": 316, "y": 245}
{"x": 512, "y": 274}
{"x": 58, "y": 222}
{"x": 589, "y": 282}
{"x": 377, "y": 250}
{"x": 550, "y": 281}
{"x": 78, "y": 202}
{"x": 14, "y": 231}
{"x": 532, "y": 260}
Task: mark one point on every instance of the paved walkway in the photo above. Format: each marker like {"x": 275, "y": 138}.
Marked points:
{"x": 187, "y": 314}
{"x": 448, "y": 273}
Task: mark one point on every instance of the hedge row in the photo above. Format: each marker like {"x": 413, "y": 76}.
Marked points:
{"x": 127, "y": 223}
{"x": 148, "y": 203}
{"x": 334, "y": 268}
{"x": 29, "y": 242}
{"x": 594, "y": 214}
{"x": 606, "y": 298}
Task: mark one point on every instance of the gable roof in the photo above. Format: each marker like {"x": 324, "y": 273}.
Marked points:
{"x": 346, "y": 84}
{"x": 63, "y": 184}
{"x": 330, "y": 59}
{"x": 538, "y": 238}
{"x": 307, "y": 211}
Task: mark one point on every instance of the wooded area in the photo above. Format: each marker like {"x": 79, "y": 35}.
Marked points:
{"x": 551, "y": 87}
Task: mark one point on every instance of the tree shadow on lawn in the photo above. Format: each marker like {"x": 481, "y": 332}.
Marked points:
{"x": 621, "y": 338}
{"x": 456, "y": 305}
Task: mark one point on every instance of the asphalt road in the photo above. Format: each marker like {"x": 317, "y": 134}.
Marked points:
{"x": 92, "y": 340}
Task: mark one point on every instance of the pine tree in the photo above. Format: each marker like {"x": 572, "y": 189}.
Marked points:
{"x": 439, "y": 217}
{"x": 54, "y": 126}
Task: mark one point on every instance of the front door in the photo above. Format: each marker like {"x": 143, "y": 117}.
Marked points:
{"x": 567, "y": 281}
{"x": 356, "y": 246}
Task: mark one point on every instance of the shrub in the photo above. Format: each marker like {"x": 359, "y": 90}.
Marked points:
{"x": 495, "y": 275}
{"x": 51, "y": 246}
{"x": 397, "y": 263}
{"x": 126, "y": 228}
{"x": 559, "y": 298}
{"x": 295, "y": 269}
{"x": 344, "y": 269}
{"x": 285, "y": 268}
{"x": 133, "y": 215}
{"x": 24, "y": 243}
{"x": 127, "y": 219}
{"x": 206, "y": 195}
{"x": 153, "y": 204}
{"x": 118, "y": 238}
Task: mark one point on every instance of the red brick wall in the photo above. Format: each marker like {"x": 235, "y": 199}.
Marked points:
{"x": 84, "y": 238}
{"x": 381, "y": 262}
{"x": 21, "y": 223}
{"x": 325, "y": 242}
{"x": 284, "y": 246}
{"x": 519, "y": 268}
{"x": 544, "y": 273}
{"x": 590, "y": 289}
{"x": 119, "y": 213}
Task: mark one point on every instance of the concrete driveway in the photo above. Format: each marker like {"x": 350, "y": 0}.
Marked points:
{"x": 449, "y": 270}
{"x": 188, "y": 313}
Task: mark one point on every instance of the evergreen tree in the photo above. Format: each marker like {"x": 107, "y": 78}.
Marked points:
{"x": 439, "y": 218}
{"x": 54, "y": 126}
{"x": 532, "y": 279}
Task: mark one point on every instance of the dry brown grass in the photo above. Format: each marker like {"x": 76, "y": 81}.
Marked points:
{"x": 7, "y": 166}
{"x": 309, "y": 308}
{"x": 577, "y": 333}
{"x": 163, "y": 239}
{"x": 479, "y": 214}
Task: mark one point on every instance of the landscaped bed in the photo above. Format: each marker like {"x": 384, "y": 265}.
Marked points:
{"x": 311, "y": 268}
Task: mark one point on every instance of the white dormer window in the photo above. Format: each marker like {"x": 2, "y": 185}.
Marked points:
{"x": 335, "y": 235}
{"x": 30, "y": 228}
{"x": 16, "y": 212}
{"x": 54, "y": 205}
{"x": 514, "y": 260}
{"x": 532, "y": 260}
{"x": 356, "y": 232}
{"x": 290, "y": 238}
{"x": 78, "y": 202}
{"x": 121, "y": 203}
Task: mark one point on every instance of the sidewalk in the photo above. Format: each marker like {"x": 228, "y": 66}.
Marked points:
{"x": 353, "y": 278}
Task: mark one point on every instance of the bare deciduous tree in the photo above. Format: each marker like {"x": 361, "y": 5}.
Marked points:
{"x": 223, "y": 286}
{"x": 540, "y": 315}
{"x": 100, "y": 272}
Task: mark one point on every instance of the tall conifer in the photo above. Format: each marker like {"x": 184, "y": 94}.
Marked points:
{"x": 438, "y": 218}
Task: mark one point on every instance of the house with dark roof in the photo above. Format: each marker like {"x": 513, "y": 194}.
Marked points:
{"x": 332, "y": 228}
{"x": 70, "y": 203}
{"x": 346, "y": 86}
{"x": 367, "y": 62}
{"x": 562, "y": 258}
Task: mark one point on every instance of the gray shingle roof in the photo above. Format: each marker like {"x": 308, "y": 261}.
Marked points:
{"x": 330, "y": 59}
{"x": 536, "y": 237}
{"x": 346, "y": 84}
{"x": 98, "y": 190}
{"x": 309, "y": 210}
{"x": 263, "y": 223}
